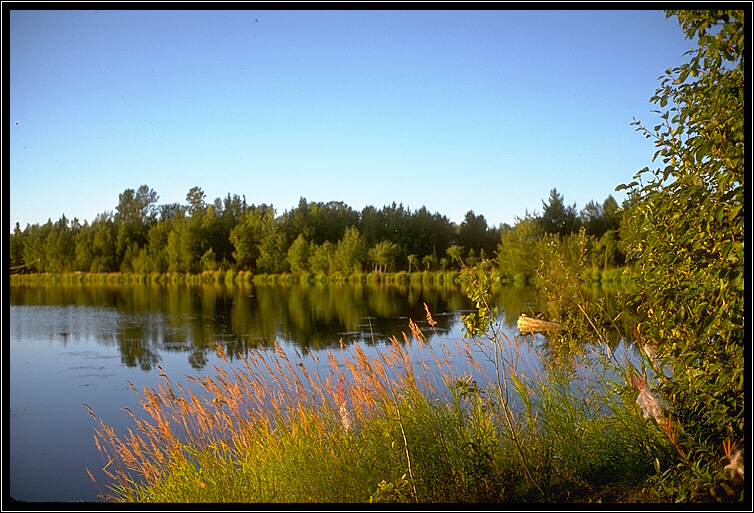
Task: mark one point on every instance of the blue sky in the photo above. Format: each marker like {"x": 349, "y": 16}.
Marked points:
{"x": 452, "y": 110}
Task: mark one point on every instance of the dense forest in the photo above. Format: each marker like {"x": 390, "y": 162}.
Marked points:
{"x": 321, "y": 238}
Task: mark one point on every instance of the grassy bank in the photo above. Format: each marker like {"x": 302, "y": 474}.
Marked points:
{"x": 614, "y": 279}
{"x": 232, "y": 278}
{"x": 404, "y": 423}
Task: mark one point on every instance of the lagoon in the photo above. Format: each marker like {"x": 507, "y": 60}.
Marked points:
{"x": 82, "y": 344}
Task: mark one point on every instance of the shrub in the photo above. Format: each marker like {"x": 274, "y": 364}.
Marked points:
{"x": 684, "y": 236}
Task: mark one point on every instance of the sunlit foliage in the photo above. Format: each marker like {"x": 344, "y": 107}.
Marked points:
{"x": 684, "y": 236}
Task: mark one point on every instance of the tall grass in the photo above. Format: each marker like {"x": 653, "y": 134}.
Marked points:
{"x": 407, "y": 422}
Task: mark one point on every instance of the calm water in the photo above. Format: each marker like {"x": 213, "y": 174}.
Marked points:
{"x": 81, "y": 344}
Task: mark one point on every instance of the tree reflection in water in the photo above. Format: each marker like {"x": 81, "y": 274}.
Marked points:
{"x": 156, "y": 319}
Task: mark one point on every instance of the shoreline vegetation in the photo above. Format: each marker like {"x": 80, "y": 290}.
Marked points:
{"x": 407, "y": 423}
{"x": 380, "y": 428}
{"x": 613, "y": 279}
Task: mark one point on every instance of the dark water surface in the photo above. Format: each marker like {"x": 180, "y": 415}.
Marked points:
{"x": 75, "y": 344}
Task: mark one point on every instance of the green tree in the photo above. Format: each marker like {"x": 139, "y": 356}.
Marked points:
{"x": 594, "y": 219}
{"x": 141, "y": 261}
{"x": 298, "y": 254}
{"x": 255, "y": 237}
{"x": 601, "y": 223}
{"x": 684, "y": 236}
{"x": 34, "y": 247}
{"x": 168, "y": 211}
{"x": 245, "y": 237}
{"x": 195, "y": 198}
{"x": 419, "y": 233}
{"x": 473, "y": 233}
{"x": 208, "y": 260}
{"x": 382, "y": 255}
{"x": 59, "y": 248}
{"x": 183, "y": 248}
{"x": 273, "y": 252}
{"x": 329, "y": 221}
{"x": 158, "y": 245}
{"x": 604, "y": 252}
{"x": 297, "y": 221}
{"x": 84, "y": 244}
{"x": 135, "y": 214}
{"x": 611, "y": 213}
{"x": 188, "y": 237}
{"x": 209, "y": 225}
{"x": 455, "y": 253}
{"x": 104, "y": 247}
{"x": 350, "y": 252}
{"x": 412, "y": 259}
{"x": 521, "y": 248}
{"x": 557, "y": 218}
{"x": 16, "y": 248}
{"x": 428, "y": 234}
{"x": 321, "y": 258}
{"x": 429, "y": 261}
{"x": 233, "y": 209}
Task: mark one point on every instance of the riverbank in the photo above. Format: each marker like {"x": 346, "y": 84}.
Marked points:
{"x": 233, "y": 278}
{"x": 612, "y": 279}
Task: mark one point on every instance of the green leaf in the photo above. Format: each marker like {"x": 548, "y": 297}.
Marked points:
{"x": 720, "y": 213}
{"x": 682, "y": 230}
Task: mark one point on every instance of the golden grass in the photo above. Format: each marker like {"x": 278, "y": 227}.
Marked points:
{"x": 239, "y": 406}
{"x": 405, "y": 421}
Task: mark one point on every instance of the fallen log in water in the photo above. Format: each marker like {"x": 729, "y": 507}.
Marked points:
{"x": 528, "y": 324}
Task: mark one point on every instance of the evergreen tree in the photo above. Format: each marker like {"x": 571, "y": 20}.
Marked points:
{"x": 557, "y": 218}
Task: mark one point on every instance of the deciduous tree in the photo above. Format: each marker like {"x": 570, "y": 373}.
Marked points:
{"x": 383, "y": 254}
{"x": 298, "y": 254}
{"x": 350, "y": 253}
{"x": 685, "y": 236}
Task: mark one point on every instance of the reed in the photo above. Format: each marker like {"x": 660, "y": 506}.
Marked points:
{"x": 410, "y": 422}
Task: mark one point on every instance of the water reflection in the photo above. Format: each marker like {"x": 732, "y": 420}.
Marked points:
{"x": 146, "y": 321}
{"x": 74, "y": 344}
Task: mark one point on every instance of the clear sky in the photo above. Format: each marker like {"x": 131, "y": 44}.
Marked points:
{"x": 452, "y": 110}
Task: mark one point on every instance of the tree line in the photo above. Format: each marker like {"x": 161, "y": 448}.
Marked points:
{"x": 313, "y": 237}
